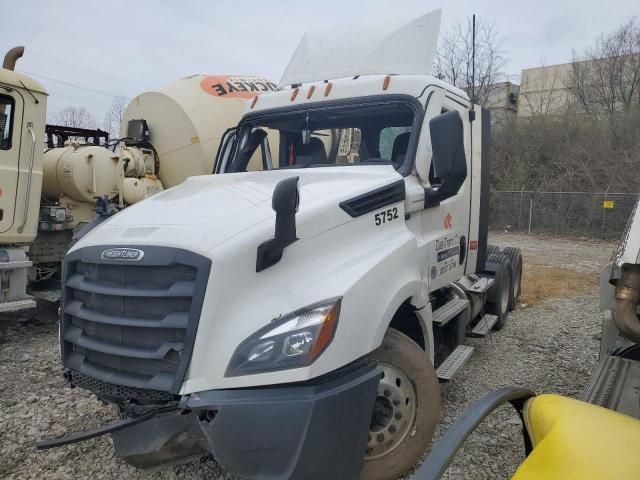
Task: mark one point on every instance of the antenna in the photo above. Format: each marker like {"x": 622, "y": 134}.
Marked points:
{"x": 472, "y": 113}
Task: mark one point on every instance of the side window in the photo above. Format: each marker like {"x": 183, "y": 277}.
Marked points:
{"x": 390, "y": 137}
{"x": 6, "y": 121}
{"x": 262, "y": 158}
{"x": 226, "y": 148}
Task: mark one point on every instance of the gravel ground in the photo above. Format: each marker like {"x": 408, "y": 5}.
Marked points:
{"x": 551, "y": 347}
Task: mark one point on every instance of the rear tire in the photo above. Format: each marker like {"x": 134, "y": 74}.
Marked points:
{"x": 515, "y": 255}
{"x": 500, "y": 294}
{"x": 492, "y": 250}
{"x": 407, "y": 409}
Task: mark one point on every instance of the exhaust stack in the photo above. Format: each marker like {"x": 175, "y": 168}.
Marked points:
{"x": 12, "y": 57}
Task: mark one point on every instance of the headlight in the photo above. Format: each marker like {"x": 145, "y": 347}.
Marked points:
{"x": 293, "y": 341}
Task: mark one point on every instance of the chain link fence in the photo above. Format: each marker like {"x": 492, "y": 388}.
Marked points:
{"x": 586, "y": 214}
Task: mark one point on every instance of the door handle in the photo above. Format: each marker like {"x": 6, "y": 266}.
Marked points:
{"x": 27, "y": 194}
{"x": 463, "y": 249}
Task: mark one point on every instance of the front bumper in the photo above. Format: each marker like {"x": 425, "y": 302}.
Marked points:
{"x": 304, "y": 431}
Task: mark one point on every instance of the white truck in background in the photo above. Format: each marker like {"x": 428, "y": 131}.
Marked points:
{"x": 46, "y": 197}
{"x": 295, "y": 322}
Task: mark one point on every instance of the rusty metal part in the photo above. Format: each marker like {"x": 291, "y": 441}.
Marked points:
{"x": 625, "y": 306}
{"x": 627, "y": 293}
{"x": 12, "y": 57}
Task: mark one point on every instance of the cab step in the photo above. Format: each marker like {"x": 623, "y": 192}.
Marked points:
{"x": 454, "y": 362}
{"x": 484, "y": 326}
{"x": 450, "y": 310}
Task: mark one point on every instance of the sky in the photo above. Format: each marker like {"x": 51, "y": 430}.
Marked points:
{"x": 86, "y": 52}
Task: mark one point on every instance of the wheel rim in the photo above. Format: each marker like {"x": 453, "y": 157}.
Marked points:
{"x": 504, "y": 295}
{"x": 394, "y": 412}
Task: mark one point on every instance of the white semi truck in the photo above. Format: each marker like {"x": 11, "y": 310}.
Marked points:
{"x": 295, "y": 322}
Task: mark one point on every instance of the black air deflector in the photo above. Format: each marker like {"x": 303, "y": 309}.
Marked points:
{"x": 132, "y": 323}
{"x": 375, "y": 199}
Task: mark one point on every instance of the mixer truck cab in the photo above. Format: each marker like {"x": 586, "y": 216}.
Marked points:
{"x": 23, "y": 108}
{"x": 295, "y": 322}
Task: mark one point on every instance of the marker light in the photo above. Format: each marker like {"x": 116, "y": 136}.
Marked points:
{"x": 312, "y": 89}
{"x": 294, "y": 341}
{"x": 385, "y": 83}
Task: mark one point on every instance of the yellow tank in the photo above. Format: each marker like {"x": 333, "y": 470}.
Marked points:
{"x": 81, "y": 172}
{"x": 187, "y": 119}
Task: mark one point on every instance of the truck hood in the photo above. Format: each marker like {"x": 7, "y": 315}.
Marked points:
{"x": 208, "y": 210}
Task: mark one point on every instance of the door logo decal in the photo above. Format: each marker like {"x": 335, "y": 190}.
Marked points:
{"x": 447, "y": 252}
{"x": 448, "y": 221}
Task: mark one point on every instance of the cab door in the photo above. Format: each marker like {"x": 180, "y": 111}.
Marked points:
{"x": 11, "y": 118}
{"x": 445, "y": 226}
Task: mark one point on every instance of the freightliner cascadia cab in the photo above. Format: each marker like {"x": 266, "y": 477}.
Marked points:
{"x": 295, "y": 321}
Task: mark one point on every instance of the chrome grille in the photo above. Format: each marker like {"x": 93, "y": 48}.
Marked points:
{"x": 132, "y": 323}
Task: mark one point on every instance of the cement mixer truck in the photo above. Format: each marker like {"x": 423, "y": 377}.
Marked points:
{"x": 167, "y": 135}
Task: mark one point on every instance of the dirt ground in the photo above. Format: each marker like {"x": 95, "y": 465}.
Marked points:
{"x": 549, "y": 344}
{"x": 557, "y": 267}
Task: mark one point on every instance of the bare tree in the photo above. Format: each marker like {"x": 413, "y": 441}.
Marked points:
{"x": 554, "y": 146}
{"x": 606, "y": 77}
{"x": 454, "y": 58}
{"x": 74, "y": 117}
{"x": 113, "y": 117}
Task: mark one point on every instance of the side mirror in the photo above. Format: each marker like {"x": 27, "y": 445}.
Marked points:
{"x": 284, "y": 202}
{"x": 448, "y": 157}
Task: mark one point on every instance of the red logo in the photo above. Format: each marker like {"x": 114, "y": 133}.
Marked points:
{"x": 473, "y": 245}
{"x": 448, "y": 221}
{"x": 236, "y": 87}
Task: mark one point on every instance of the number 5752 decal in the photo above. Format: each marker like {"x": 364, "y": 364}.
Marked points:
{"x": 386, "y": 216}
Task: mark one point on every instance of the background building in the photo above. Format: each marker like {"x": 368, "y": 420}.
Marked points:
{"x": 502, "y": 100}
{"x": 543, "y": 90}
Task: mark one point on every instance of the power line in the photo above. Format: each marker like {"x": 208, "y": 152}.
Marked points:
{"x": 61, "y": 103}
{"x": 60, "y": 96}
{"x": 74, "y": 85}
{"x": 29, "y": 52}
{"x": 84, "y": 100}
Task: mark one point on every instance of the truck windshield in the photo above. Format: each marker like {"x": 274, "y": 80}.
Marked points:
{"x": 371, "y": 133}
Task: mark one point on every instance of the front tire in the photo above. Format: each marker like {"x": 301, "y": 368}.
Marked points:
{"x": 407, "y": 409}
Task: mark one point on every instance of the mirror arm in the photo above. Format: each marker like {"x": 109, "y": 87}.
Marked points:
{"x": 432, "y": 197}
{"x": 285, "y": 204}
